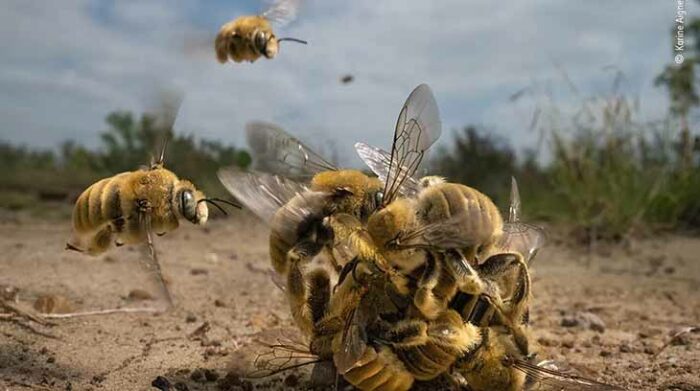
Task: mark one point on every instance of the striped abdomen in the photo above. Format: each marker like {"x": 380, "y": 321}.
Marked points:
{"x": 379, "y": 369}
{"x": 435, "y": 345}
{"x": 480, "y": 220}
{"x": 98, "y": 213}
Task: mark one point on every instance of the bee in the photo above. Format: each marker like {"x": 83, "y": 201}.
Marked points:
{"x": 295, "y": 202}
{"x": 247, "y": 38}
{"x": 497, "y": 364}
{"x": 129, "y": 207}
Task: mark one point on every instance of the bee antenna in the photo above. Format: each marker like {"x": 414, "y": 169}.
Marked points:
{"x": 297, "y": 40}
{"x": 227, "y": 202}
{"x": 215, "y": 204}
{"x": 214, "y": 201}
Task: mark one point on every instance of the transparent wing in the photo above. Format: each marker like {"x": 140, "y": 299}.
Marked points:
{"x": 545, "y": 377}
{"x": 417, "y": 128}
{"x": 262, "y": 193}
{"x": 152, "y": 262}
{"x": 523, "y": 238}
{"x": 443, "y": 236}
{"x": 282, "y": 12}
{"x": 458, "y": 231}
{"x": 379, "y": 160}
{"x": 354, "y": 343}
{"x": 278, "y": 152}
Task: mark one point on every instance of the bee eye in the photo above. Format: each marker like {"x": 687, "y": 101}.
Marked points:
{"x": 260, "y": 41}
{"x": 188, "y": 207}
{"x": 378, "y": 198}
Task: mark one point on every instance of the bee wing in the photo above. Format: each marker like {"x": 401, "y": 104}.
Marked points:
{"x": 458, "y": 231}
{"x": 278, "y": 152}
{"x": 417, "y": 128}
{"x": 444, "y": 235}
{"x": 262, "y": 193}
{"x": 354, "y": 343}
{"x": 283, "y": 350}
{"x": 523, "y": 238}
{"x": 546, "y": 377}
{"x": 379, "y": 161}
{"x": 152, "y": 262}
{"x": 282, "y": 12}
{"x": 277, "y": 279}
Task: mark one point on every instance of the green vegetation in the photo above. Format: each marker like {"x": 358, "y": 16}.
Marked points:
{"x": 607, "y": 176}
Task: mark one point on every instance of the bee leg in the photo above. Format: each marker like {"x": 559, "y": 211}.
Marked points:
{"x": 154, "y": 263}
{"x": 500, "y": 265}
{"x": 405, "y": 333}
{"x": 467, "y": 278}
{"x": 424, "y": 299}
{"x": 100, "y": 242}
{"x": 73, "y": 248}
{"x": 298, "y": 289}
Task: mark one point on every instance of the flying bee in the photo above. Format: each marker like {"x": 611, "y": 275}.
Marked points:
{"x": 247, "y": 38}
{"x": 129, "y": 207}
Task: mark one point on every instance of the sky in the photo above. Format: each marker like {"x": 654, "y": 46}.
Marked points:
{"x": 66, "y": 64}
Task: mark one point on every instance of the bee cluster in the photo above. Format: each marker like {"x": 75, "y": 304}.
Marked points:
{"x": 397, "y": 279}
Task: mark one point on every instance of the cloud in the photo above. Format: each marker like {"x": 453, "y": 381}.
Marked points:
{"x": 66, "y": 65}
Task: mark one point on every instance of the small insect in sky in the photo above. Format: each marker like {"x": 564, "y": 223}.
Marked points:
{"x": 248, "y": 37}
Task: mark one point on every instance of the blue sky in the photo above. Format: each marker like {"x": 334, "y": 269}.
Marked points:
{"x": 68, "y": 63}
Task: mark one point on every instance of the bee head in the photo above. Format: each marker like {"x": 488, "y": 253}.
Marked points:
{"x": 189, "y": 204}
{"x": 265, "y": 43}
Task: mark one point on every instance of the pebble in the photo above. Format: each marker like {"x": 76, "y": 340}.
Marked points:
{"x": 180, "y": 386}
{"x": 211, "y": 375}
{"x": 199, "y": 271}
{"x": 211, "y": 258}
{"x": 586, "y": 320}
{"x": 161, "y": 383}
{"x": 53, "y": 304}
{"x": 139, "y": 295}
{"x": 291, "y": 380}
{"x": 198, "y": 375}
{"x": 232, "y": 382}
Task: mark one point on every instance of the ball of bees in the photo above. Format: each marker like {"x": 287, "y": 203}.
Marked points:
{"x": 436, "y": 284}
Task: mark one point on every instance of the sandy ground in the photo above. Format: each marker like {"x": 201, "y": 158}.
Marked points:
{"x": 218, "y": 276}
